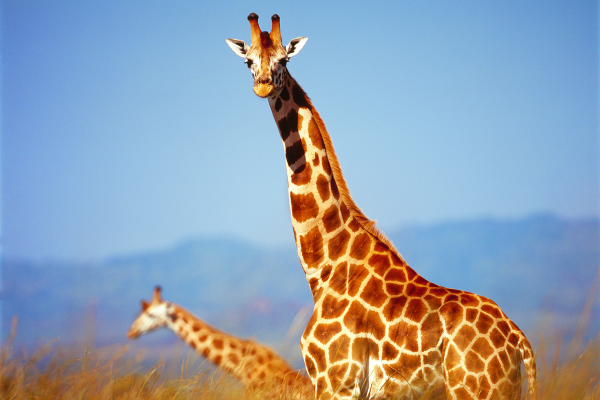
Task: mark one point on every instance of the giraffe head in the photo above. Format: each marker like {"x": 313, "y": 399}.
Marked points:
{"x": 155, "y": 314}
{"x": 266, "y": 57}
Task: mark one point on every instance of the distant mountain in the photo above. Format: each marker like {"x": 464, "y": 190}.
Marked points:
{"x": 531, "y": 267}
{"x": 214, "y": 278}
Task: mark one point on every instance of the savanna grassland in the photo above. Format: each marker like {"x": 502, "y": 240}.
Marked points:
{"x": 572, "y": 372}
{"x": 568, "y": 367}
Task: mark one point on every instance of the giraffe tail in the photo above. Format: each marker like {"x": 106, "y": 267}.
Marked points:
{"x": 530, "y": 368}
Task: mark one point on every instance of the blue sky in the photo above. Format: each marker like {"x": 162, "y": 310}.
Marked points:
{"x": 130, "y": 126}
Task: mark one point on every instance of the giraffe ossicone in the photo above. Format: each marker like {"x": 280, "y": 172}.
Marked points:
{"x": 379, "y": 329}
{"x": 257, "y": 366}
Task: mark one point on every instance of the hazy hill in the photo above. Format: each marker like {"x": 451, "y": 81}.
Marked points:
{"x": 530, "y": 267}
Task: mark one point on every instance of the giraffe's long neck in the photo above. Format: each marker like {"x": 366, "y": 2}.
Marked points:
{"x": 252, "y": 363}
{"x": 223, "y": 350}
{"x": 324, "y": 216}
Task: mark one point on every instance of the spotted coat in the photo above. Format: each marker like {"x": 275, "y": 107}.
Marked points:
{"x": 379, "y": 329}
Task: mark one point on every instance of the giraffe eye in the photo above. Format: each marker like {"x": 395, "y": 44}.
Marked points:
{"x": 283, "y": 61}
{"x": 248, "y": 63}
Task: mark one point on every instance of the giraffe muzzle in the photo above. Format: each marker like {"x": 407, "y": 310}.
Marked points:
{"x": 263, "y": 90}
{"x": 132, "y": 334}
{"x": 263, "y": 86}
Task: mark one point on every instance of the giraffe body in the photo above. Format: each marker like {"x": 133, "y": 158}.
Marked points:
{"x": 379, "y": 329}
{"x": 257, "y": 366}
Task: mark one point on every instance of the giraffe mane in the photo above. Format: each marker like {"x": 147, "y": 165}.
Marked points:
{"x": 368, "y": 224}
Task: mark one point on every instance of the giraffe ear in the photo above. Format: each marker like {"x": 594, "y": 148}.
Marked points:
{"x": 295, "y": 46}
{"x": 239, "y": 47}
{"x": 145, "y": 305}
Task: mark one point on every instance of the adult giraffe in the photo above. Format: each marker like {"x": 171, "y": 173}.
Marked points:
{"x": 378, "y": 329}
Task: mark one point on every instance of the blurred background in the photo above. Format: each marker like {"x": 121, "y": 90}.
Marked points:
{"x": 134, "y": 153}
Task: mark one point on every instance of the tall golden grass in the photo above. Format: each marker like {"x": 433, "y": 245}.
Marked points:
{"x": 114, "y": 373}
{"x": 576, "y": 373}
{"x": 571, "y": 372}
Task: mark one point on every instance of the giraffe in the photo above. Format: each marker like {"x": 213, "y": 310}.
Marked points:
{"x": 378, "y": 329}
{"x": 257, "y": 366}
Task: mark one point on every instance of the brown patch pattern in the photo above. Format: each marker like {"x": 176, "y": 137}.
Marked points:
{"x": 302, "y": 177}
{"x": 311, "y": 246}
{"x": 360, "y": 246}
{"x": 331, "y": 219}
{"x": 323, "y": 187}
{"x": 337, "y": 245}
{"x": 315, "y": 134}
{"x": 325, "y": 332}
{"x": 304, "y": 206}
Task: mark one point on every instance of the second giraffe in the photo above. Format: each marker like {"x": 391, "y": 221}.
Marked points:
{"x": 379, "y": 329}
{"x": 258, "y": 367}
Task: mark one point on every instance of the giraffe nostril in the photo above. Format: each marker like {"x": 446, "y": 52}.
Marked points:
{"x": 264, "y": 80}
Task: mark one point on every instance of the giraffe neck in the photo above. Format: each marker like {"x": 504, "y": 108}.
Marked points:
{"x": 225, "y": 351}
{"x": 252, "y": 363}
{"x": 324, "y": 216}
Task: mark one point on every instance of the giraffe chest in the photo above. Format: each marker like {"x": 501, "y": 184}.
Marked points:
{"x": 370, "y": 313}
{"x": 348, "y": 344}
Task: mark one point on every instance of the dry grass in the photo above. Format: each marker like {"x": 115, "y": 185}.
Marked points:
{"x": 576, "y": 377}
{"x": 571, "y": 372}
{"x": 113, "y": 373}
{"x": 574, "y": 374}
{"x": 110, "y": 373}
